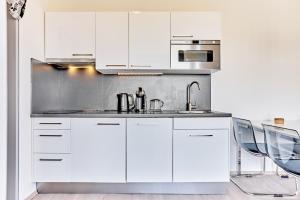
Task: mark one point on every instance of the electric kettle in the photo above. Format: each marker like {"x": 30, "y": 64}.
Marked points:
{"x": 125, "y": 102}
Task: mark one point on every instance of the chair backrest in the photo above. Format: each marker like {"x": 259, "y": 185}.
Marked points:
{"x": 282, "y": 147}
{"x": 246, "y": 137}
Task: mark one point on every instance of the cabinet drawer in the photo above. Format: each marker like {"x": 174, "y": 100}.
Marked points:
{"x": 201, "y": 156}
{"x": 97, "y": 123}
{"x": 52, "y": 141}
{"x": 202, "y": 123}
{"x": 51, "y": 123}
{"x": 51, "y": 167}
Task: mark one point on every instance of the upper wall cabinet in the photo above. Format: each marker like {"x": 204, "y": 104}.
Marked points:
{"x": 149, "y": 40}
{"x": 112, "y": 40}
{"x": 196, "y": 26}
{"x": 69, "y": 35}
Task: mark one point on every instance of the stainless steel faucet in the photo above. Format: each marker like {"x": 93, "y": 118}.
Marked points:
{"x": 189, "y": 105}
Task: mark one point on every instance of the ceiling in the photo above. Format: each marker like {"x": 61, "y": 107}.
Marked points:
{"x": 129, "y": 5}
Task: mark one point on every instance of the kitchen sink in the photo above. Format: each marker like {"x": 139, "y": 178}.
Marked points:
{"x": 193, "y": 111}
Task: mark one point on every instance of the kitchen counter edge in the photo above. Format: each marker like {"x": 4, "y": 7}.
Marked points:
{"x": 131, "y": 115}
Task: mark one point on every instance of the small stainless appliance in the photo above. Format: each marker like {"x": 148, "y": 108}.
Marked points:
{"x": 125, "y": 102}
{"x": 156, "y": 104}
{"x": 140, "y": 100}
{"x": 195, "y": 54}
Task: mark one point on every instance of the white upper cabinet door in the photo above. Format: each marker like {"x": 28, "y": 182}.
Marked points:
{"x": 149, "y": 40}
{"x": 112, "y": 40}
{"x": 196, "y": 26}
{"x": 149, "y": 150}
{"x": 201, "y": 156}
{"x": 98, "y": 150}
{"x": 69, "y": 35}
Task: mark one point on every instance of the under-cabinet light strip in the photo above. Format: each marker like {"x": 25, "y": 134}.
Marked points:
{"x": 139, "y": 74}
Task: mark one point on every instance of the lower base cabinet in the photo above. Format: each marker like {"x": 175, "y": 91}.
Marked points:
{"x": 98, "y": 150}
{"x": 149, "y": 150}
{"x": 134, "y": 150}
{"x": 201, "y": 156}
{"x": 51, "y": 167}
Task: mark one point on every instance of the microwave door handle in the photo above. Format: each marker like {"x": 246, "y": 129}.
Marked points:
{"x": 181, "y": 56}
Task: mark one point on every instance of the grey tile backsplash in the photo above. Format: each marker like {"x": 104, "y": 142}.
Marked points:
{"x": 56, "y": 89}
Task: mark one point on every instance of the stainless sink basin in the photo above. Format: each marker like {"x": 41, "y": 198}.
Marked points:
{"x": 193, "y": 112}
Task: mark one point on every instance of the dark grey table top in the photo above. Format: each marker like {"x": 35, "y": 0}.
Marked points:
{"x": 115, "y": 114}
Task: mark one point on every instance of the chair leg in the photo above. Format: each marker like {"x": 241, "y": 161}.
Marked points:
{"x": 264, "y": 164}
{"x": 296, "y": 182}
{"x": 239, "y": 174}
{"x": 265, "y": 194}
{"x": 281, "y": 175}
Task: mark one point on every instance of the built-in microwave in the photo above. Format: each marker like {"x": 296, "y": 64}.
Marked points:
{"x": 195, "y": 54}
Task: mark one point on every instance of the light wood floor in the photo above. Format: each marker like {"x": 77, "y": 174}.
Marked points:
{"x": 233, "y": 193}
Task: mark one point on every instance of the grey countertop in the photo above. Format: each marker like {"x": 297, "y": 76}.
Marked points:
{"x": 115, "y": 114}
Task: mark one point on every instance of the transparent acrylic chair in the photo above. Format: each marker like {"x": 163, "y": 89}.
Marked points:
{"x": 283, "y": 147}
{"x": 252, "y": 142}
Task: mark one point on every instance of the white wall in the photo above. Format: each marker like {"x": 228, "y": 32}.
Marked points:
{"x": 260, "y": 62}
{"x": 3, "y": 99}
{"x": 31, "y": 45}
{"x": 131, "y": 5}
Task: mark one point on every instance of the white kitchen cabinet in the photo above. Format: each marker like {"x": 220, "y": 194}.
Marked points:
{"x": 202, "y": 123}
{"x": 98, "y": 150}
{"x": 52, "y": 141}
{"x": 149, "y": 150}
{"x": 201, "y": 156}
{"x": 51, "y": 123}
{"x": 196, "y": 26}
{"x": 112, "y": 40}
{"x": 69, "y": 35}
{"x": 51, "y": 149}
{"x": 149, "y": 40}
{"x": 51, "y": 167}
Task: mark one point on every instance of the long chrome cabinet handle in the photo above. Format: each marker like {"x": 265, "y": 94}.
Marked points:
{"x": 50, "y": 123}
{"x": 82, "y": 54}
{"x": 180, "y": 36}
{"x": 51, "y": 160}
{"x": 50, "y": 135}
{"x": 191, "y": 135}
{"x": 146, "y": 66}
{"x": 115, "y": 65}
{"x": 108, "y": 124}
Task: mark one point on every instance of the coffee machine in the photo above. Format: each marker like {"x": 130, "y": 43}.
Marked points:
{"x": 140, "y": 100}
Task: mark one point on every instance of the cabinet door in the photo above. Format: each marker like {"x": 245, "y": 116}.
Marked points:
{"x": 112, "y": 40}
{"x": 149, "y": 150}
{"x": 98, "y": 150}
{"x": 51, "y": 167}
{"x": 196, "y": 25}
{"x": 201, "y": 156}
{"x": 149, "y": 40}
{"x": 69, "y": 35}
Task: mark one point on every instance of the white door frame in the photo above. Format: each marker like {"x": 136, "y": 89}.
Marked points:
{"x": 3, "y": 98}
